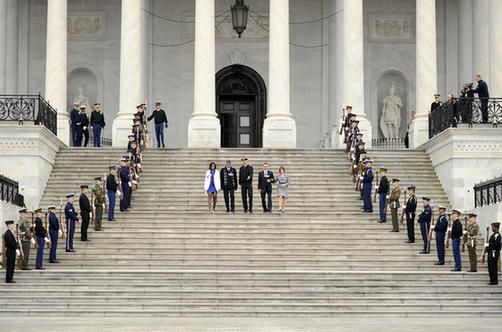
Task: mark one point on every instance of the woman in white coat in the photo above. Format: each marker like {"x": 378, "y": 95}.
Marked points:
{"x": 212, "y": 186}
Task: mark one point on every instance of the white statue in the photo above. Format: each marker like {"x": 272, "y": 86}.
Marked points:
{"x": 81, "y": 99}
{"x": 390, "y": 120}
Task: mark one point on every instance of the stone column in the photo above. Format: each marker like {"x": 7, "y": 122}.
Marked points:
{"x": 3, "y": 41}
{"x": 279, "y": 129}
{"x": 426, "y": 70}
{"x": 481, "y": 39}
{"x": 495, "y": 48}
{"x": 56, "y": 65}
{"x": 130, "y": 70}
{"x": 204, "y": 128}
{"x": 353, "y": 64}
{"x": 12, "y": 47}
{"x": 464, "y": 42}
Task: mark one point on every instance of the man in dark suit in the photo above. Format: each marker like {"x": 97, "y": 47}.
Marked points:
{"x": 483, "y": 95}
{"x": 85, "y": 211}
{"x": 246, "y": 183}
{"x": 228, "y": 176}
{"x": 265, "y": 180}
{"x": 436, "y": 103}
{"x": 10, "y": 251}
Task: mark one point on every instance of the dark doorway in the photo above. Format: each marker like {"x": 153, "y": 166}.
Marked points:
{"x": 240, "y": 104}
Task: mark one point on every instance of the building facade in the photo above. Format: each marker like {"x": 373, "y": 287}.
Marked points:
{"x": 283, "y": 84}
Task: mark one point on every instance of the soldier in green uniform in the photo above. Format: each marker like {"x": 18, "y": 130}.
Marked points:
{"x": 99, "y": 201}
{"x": 470, "y": 236}
{"x": 395, "y": 194}
{"x": 25, "y": 234}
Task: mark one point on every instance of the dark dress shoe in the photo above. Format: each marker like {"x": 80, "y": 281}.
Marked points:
{"x": 54, "y": 262}
{"x": 490, "y": 284}
{"x": 472, "y": 271}
{"x": 439, "y": 263}
{"x": 10, "y": 282}
{"x": 40, "y": 268}
{"x": 409, "y": 241}
{"x": 26, "y": 269}
{"x": 454, "y": 270}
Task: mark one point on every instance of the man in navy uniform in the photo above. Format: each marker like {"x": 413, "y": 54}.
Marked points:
{"x": 265, "y": 180}
{"x": 367, "y": 180}
{"x": 483, "y": 95}
{"x": 493, "y": 250}
{"x": 97, "y": 124}
{"x": 436, "y": 103}
{"x": 246, "y": 182}
{"x": 85, "y": 211}
{"x": 74, "y": 119}
{"x": 53, "y": 234}
{"x": 111, "y": 190}
{"x": 40, "y": 235}
{"x": 440, "y": 228}
{"x": 228, "y": 176}
{"x": 124, "y": 184}
{"x": 85, "y": 124}
{"x": 457, "y": 231}
{"x": 71, "y": 220}
{"x": 160, "y": 120}
{"x": 424, "y": 219}
{"x": 410, "y": 208}
{"x": 11, "y": 248}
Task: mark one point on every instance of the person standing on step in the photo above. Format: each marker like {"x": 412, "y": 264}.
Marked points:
{"x": 246, "y": 183}
{"x": 53, "y": 234}
{"x": 74, "y": 120}
{"x": 85, "y": 212}
{"x": 394, "y": 204}
{"x": 409, "y": 209}
{"x": 71, "y": 221}
{"x": 228, "y": 176}
{"x": 40, "y": 235}
{"x": 436, "y": 103}
{"x": 367, "y": 180}
{"x": 424, "y": 219}
{"x": 383, "y": 194}
{"x": 456, "y": 234}
{"x": 25, "y": 233}
{"x": 11, "y": 249}
{"x": 99, "y": 201}
{"x": 492, "y": 249}
{"x": 97, "y": 124}
{"x": 282, "y": 188}
{"x": 124, "y": 184}
{"x": 483, "y": 95}
{"x": 212, "y": 185}
{"x": 265, "y": 180}
{"x": 111, "y": 190}
{"x": 160, "y": 120}
{"x": 85, "y": 124}
{"x": 471, "y": 234}
{"x": 441, "y": 228}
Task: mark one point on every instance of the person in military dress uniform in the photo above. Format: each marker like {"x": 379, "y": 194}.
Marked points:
{"x": 111, "y": 191}
{"x": 228, "y": 179}
{"x": 85, "y": 212}
{"x": 25, "y": 234}
{"x": 246, "y": 183}
{"x": 470, "y": 235}
{"x": 436, "y": 103}
{"x": 493, "y": 251}
{"x": 456, "y": 233}
{"x": 424, "y": 219}
{"x": 410, "y": 209}
{"x": 367, "y": 181}
{"x": 40, "y": 235}
{"x": 53, "y": 234}
{"x": 124, "y": 184}
{"x": 99, "y": 201}
{"x": 440, "y": 228}
{"x": 394, "y": 203}
{"x": 11, "y": 248}
{"x": 383, "y": 194}
{"x": 71, "y": 220}
{"x": 85, "y": 124}
{"x": 98, "y": 124}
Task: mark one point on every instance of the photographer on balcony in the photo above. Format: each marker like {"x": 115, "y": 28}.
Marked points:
{"x": 483, "y": 95}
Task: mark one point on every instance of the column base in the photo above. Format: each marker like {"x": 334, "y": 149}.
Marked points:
{"x": 419, "y": 132}
{"x": 204, "y": 131}
{"x": 122, "y": 127}
{"x": 365, "y": 128}
{"x": 63, "y": 128}
{"x": 279, "y": 131}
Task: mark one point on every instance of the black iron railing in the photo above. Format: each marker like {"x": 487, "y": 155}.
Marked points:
{"x": 9, "y": 191}
{"x": 488, "y": 192}
{"x": 23, "y": 108}
{"x": 467, "y": 111}
{"x": 388, "y": 143}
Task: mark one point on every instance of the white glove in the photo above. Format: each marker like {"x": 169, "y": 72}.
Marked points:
{"x": 361, "y": 177}
{"x": 47, "y": 239}
{"x": 32, "y": 241}
{"x": 355, "y": 166}
{"x": 60, "y": 233}
{"x": 404, "y": 207}
{"x": 432, "y": 227}
{"x": 465, "y": 232}
{"x": 376, "y": 187}
{"x": 85, "y": 128}
{"x": 449, "y": 229}
{"x": 351, "y": 149}
{"x": 104, "y": 206}
{"x": 486, "y": 245}
{"x": 387, "y": 196}
{"x": 129, "y": 183}
{"x": 139, "y": 165}
{"x": 18, "y": 252}
{"x": 134, "y": 182}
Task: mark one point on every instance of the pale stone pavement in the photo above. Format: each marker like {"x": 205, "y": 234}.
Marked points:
{"x": 198, "y": 324}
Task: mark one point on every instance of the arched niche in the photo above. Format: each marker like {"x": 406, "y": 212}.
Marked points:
{"x": 82, "y": 87}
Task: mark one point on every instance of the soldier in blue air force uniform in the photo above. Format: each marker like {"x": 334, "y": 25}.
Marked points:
{"x": 367, "y": 186}
{"x": 53, "y": 233}
{"x": 124, "y": 183}
{"x": 424, "y": 219}
{"x": 440, "y": 228}
{"x": 71, "y": 220}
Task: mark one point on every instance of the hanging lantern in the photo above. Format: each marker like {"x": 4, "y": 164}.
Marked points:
{"x": 239, "y": 16}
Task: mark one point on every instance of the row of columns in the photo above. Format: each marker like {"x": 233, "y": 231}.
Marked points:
{"x": 9, "y": 46}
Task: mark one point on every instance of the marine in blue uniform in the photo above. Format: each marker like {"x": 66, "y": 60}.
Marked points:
{"x": 53, "y": 233}
{"x": 410, "y": 208}
{"x": 85, "y": 124}
{"x": 85, "y": 212}
{"x": 74, "y": 119}
{"x": 40, "y": 234}
{"x": 71, "y": 220}
{"x": 124, "y": 184}
{"x": 457, "y": 232}
{"x": 440, "y": 229}
{"x": 424, "y": 219}
{"x": 97, "y": 124}
{"x": 493, "y": 251}
{"x": 11, "y": 246}
{"x": 367, "y": 186}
